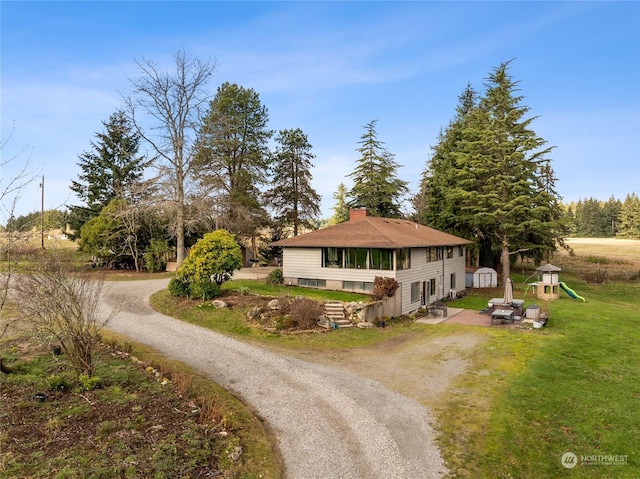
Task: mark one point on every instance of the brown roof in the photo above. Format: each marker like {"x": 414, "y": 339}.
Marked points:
{"x": 374, "y": 232}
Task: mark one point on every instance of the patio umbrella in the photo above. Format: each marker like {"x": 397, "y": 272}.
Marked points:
{"x": 508, "y": 292}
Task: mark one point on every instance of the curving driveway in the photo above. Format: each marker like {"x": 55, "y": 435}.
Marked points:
{"x": 328, "y": 423}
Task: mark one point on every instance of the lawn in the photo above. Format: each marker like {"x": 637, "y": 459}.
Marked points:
{"x": 533, "y": 396}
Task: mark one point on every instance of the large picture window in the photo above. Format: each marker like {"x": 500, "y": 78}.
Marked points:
{"x": 332, "y": 257}
{"x": 356, "y": 258}
{"x": 366, "y": 258}
{"x": 381, "y": 259}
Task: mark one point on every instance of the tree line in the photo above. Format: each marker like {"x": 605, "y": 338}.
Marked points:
{"x": 488, "y": 178}
{"x": 592, "y": 218}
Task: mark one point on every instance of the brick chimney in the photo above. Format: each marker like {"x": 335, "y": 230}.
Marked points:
{"x": 359, "y": 213}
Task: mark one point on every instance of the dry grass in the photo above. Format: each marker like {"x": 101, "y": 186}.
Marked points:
{"x": 597, "y": 260}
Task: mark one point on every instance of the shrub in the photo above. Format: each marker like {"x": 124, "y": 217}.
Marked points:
{"x": 89, "y": 383}
{"x": 204, "y": 289}
{"x": 384, "y": 287}
{"x": 275, "y": 277}
{"x": 58, "y": 383}
{"x": 155, "y": 255}
{"x": 179, "y": 287}
{"x": 214, "y": 257}
{"x": 305, "y": 312}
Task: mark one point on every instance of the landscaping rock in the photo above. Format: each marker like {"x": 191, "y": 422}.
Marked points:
{"x": 274, "y": 304}
{"x": 353, "y": 307}
{"x": 364, "y": 324}
{"x": 254, "y": 313}
{"x": 218, "y": 303}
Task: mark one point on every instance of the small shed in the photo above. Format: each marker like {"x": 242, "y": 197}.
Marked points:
{"x": 481, "y": 278}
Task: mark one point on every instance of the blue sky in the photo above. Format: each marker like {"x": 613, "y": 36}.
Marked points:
{"x": 329, "y": 68}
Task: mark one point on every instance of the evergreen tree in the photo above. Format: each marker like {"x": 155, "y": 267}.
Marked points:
{"x": 295, "y": 201}
{"x": 108, "y": 170}
{"x": 610, "y": 214}
{"x": 233, "y": 158}
{"x": 341, "y": 208}
{"x": 629, "y": 219}
{"x": 499, "y": 188}
{"x": 589, "y": 219}
{"x": 375, "y": 184}
{"x": 433, "y": 204}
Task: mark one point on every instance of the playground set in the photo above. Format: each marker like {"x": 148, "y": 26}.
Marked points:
{"x": 546, "y": 288}
{"x": 548, "y": 285}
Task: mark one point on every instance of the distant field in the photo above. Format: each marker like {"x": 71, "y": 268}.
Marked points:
{"x": 609, "y": 247}
{"x": 599, "y": 259}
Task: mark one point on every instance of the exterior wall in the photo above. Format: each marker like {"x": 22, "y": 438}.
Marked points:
{"x": 307, "y": 263}
{"x": 424, "y": 271}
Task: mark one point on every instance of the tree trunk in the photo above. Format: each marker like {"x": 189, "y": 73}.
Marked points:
{"x": 505, "y": 261}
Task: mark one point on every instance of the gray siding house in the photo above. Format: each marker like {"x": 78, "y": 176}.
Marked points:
{"x": 427, "y": 263}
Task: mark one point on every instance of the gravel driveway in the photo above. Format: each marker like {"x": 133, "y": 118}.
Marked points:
{"x": 328, "y": 422}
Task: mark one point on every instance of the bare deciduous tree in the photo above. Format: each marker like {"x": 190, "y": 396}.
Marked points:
{"x": 60, "y": 302}
{"x": 172, "y": 103}
{"x": 11, "y": 240}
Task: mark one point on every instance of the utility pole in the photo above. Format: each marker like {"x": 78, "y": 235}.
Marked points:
{"x": 42, "y": 214}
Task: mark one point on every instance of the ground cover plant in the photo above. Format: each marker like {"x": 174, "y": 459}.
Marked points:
{"x": 133, "y": 419}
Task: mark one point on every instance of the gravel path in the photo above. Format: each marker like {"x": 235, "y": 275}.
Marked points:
{"x": 328, "y": 422}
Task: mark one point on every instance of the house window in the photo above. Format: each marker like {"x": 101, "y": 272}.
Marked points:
{"x": 403, "y": 258}
{"x": 432, "y": 287}
{"x": 357, "y": 285}
{"x": 312, "y": 283}
{"x": 431, "y": 254}
{"x": 355, "y": 258}
{"x": 439, "y": 253}
{"x": 460, "y": 251}
{"x": 415, "y": 292}
{"x": 453, "y": 281}
{"x": 381, "y": 259}
{"x": 332, "y": 257}
{"x": 449, "y": 252}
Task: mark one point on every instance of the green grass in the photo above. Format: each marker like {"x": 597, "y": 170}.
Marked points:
{"x": 263, "y": 288}
{"x": 573, "y": 386}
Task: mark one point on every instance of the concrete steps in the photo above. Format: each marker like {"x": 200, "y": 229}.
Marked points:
{"x": 334, "y": 310}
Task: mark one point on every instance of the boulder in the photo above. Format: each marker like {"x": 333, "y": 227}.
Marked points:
{"x": 353, "y": 307}
{"x": 218, "y": 303}
{"x": 274, "y": 304}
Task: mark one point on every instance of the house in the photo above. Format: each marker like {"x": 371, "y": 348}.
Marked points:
{"x": 427, "y": 263}
{"x": 481, "y": 278}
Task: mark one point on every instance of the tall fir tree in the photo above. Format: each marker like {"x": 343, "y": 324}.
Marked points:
{"x": 341, "y": 208}
{"x": 629, "y": 218}
{"x": 499, "y": 187}
{"x": 233, "y": 158}
{"x": 109, "y": 170}
{"x": 291, "y": 195}
{"x": 376, "y": 185}
{"x": 432, "y": 204}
